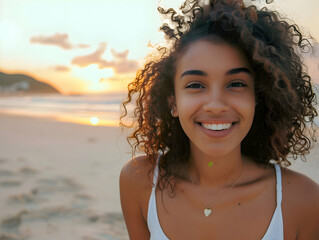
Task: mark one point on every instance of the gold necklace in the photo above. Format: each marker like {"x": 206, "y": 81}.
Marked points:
{"x": 207, "y": 209}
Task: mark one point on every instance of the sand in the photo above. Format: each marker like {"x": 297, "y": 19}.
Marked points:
{"x": 60, "y": 180}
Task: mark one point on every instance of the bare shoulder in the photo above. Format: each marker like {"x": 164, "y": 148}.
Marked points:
{"x": 135, "y": 182}
{"x": 136, "y": 172}
{"x": 135, "y": 188}
{"x": 301, "y": 187}
{"x": 301, "y": 203}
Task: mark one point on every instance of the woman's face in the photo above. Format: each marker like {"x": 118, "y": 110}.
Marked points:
{"x": 214, "y": 97}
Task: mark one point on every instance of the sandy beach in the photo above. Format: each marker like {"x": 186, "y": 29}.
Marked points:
{"x": 60, "y": 180}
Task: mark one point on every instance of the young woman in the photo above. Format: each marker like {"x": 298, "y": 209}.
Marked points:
{"x": 218, "y": 113}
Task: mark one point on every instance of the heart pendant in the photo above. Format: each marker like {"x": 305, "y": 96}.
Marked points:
{"x": 207, "y": 212}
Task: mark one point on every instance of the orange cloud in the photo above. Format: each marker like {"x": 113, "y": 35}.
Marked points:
{"x": 61, "y": 68}
{"x": 93, "y": 58}
{"x": 120, "y": 63}
{"x": 82, "y": 45}
{"x": 59, "y": 39}
{"x": 119, "y": 55}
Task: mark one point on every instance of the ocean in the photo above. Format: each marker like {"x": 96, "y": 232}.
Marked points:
{"x": 91, "y": 109}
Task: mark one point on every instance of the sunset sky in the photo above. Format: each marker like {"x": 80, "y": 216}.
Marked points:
{"x": 87, "y": 46}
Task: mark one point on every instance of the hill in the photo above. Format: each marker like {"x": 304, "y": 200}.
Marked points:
{"x": 23, "y": 84}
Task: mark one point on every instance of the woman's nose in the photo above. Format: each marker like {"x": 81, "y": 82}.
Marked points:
{"x": 216, "y": 102}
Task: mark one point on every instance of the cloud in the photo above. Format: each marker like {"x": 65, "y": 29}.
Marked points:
{"x": 93, "y": 58}
{"x": 82, "y": 45}
{"x": 119, "y": 55}
{"x": 125, "y": 66}
{"x": 120, "y": 63}
{"x": 59, "y": 39}
{"x": 61, "y": 68}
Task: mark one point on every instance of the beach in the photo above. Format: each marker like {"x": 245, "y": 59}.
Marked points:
{"x": 59, "y": 180}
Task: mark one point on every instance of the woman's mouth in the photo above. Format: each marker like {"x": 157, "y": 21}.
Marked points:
{"x": 217, "y": 130}
{"x": 217, "y": 127}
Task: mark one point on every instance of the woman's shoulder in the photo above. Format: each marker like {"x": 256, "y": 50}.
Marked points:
{"x": 299, "y": 187}
{"x": 301, "y": 203}
{"x": 135, "y": 190}
{"x": 137, "y": 172}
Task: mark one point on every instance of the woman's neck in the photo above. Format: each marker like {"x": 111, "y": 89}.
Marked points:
{"x": 213, "y": 171}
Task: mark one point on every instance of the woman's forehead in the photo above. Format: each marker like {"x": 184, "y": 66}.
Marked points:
{"x": 204, "y": 54}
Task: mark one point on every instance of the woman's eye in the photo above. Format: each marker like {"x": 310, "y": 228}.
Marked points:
{"x": 195, "y": 85}
{"x": 237, "y": 84}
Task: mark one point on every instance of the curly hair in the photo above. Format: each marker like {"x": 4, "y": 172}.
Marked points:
{"x": 283, "y": 124}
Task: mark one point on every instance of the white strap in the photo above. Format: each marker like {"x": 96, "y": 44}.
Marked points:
{"x": 155, "y": 176}
{"x": 278, "y": 185}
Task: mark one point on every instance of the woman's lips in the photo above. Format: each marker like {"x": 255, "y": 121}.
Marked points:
{"x": 219, "y": 130}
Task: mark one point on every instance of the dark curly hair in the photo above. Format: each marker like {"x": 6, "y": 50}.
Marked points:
{"x": 284, "y": 116}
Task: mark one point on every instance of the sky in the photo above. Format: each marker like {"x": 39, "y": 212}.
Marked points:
{"x": 93, "y": 46}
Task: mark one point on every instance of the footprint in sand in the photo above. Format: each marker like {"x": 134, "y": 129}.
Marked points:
{"x": 11, "y": 236}
{"x": 61, "y": 212}
{"x": 13, "y": 221}
{"x": 111, "y": 219}
{"x": 55, "y": 186}
{"x": 26, "y": 171}
{"x": 10, "y": 183}
{"x": 81, "y": 200}
{"x": 23, "y": 198}
{"x": 6, "y": 173}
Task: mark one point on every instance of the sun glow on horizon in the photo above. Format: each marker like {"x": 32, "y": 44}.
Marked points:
{"x": 94, "y": 121}
{"x": 99, "y": 87}
{"x": 93, "y": 73}
{"x": 44, "y": 37}
{"x": 87, "y": 121}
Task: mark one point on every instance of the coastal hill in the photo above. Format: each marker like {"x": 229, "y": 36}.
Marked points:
{"x": 23, "y": 84}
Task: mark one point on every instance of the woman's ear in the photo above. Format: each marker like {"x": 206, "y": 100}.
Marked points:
{"x": 172, "y": 106}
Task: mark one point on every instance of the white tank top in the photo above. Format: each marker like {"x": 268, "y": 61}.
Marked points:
{"x": 275, "y": 230}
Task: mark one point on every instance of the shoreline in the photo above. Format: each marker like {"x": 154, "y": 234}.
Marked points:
{"x": 59, "y": 118}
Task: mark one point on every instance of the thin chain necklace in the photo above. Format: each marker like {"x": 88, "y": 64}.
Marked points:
{"x": 207, "y": 209}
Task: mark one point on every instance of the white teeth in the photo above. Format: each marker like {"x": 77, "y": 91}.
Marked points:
{"x": 217, "y": 127}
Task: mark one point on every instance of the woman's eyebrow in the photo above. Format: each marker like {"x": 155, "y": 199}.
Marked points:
{"x": 202, "y": 73}
{"x": 194, "y": 72}
{"x": 238, "y": 70}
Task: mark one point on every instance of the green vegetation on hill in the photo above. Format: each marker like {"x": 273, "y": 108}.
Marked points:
{"x": 20, "y": 83}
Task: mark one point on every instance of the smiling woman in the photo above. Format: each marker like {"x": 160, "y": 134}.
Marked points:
{"x": 214, "y": 90}
{"x": 217, "y": 114}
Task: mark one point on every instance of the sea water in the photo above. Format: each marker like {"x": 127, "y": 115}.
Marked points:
{"x": 93, "y": 109}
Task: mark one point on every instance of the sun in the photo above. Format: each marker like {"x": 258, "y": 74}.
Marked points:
{"x": 94, "y": 120}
